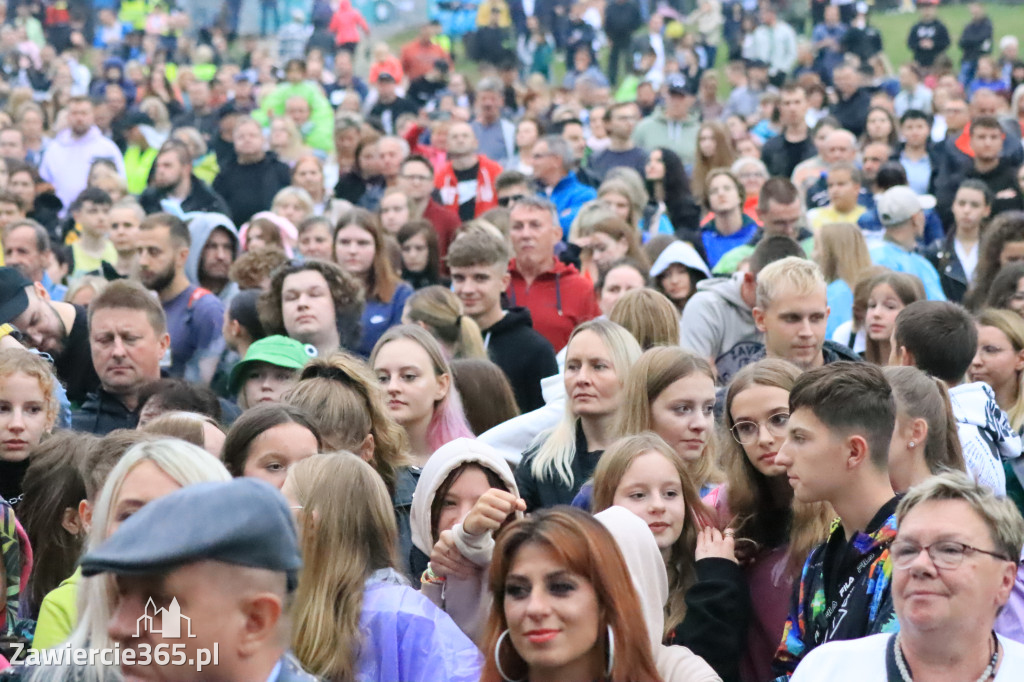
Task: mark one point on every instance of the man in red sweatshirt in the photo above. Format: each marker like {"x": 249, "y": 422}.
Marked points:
{"x": 557, "y": 295}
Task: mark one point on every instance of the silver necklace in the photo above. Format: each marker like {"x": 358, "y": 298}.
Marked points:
{"x": 986, "y": 674}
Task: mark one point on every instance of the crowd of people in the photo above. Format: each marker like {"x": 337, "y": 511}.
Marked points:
{"x": 684, "y": 343}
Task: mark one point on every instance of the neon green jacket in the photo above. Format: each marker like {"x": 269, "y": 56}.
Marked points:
{"x": 137, "y": 164}
{"x": 58, "y": 614}
{"x": 318, "y": 133}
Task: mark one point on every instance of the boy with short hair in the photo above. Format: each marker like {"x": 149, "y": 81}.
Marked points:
{"x": 792, "y": 313}
{"x": 915, "y": 129}
{"x": 91, "y": 212}
{"x": 844, "y": 181}
{"x": 479, "y": 271}
{"x": 841, "y": 420}
{"x": 941, "y": 339}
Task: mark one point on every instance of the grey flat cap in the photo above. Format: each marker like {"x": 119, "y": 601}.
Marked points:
{"x": 244, "y": 522}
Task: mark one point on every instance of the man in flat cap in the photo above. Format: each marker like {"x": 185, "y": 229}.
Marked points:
{"x": 219, "y": 562}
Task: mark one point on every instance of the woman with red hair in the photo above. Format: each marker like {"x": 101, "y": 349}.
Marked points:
{"x": 564, "y": 605}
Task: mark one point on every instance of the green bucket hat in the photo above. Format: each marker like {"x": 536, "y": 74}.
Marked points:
{"x": 276, "y": 350}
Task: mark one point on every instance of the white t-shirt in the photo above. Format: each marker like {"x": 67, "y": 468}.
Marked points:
{"x": 856, "y": 660}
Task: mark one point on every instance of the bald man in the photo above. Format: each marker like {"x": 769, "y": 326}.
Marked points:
{"x": 466, "y": 181}
{"x": 840, "y": 147}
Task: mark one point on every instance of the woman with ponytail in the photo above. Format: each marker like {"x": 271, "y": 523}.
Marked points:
{"x": 925, "y": 440}
{"x": 439, "y": 311}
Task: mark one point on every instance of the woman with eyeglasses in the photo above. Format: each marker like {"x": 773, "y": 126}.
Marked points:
{"x": 773, "y": 531}
{"x": 954, "y": 562}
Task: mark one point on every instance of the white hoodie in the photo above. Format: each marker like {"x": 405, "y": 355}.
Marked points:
{"x": 466, "y": 601}
{"x": 647, "y": 568}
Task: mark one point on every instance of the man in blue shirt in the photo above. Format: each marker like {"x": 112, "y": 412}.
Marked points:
{"x": 901, "y": 212}
{"x": 194, "y": 314}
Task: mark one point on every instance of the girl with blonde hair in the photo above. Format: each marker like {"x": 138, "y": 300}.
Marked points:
{"x": 413, "y": 371}
{"x": 439, "y": 311}
{"x": 150, "y": 469}
{"x": 599, "y": 358}
{"x": 286, "y": 140}
{"x": 842, "y": 254}
{"x": 1000, "y": 361}
{"x": 355, "y": 615}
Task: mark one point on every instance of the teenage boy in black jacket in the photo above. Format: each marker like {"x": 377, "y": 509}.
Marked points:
{"x": 479, "y": 270}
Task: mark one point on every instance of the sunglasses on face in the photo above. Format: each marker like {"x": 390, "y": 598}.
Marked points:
{"x": 504, "y": 202}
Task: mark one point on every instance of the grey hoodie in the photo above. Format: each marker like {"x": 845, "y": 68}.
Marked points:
{"x": 718, "y": 325}
{"x": 201, "y": 226}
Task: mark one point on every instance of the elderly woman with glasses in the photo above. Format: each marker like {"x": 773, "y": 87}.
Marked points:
{"x": 955, "y": 562}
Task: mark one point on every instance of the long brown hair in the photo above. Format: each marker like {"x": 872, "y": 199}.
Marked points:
{"x": 723, "y": 158}
{"x": 587, "y": 549}
{"x": 908, "y": 289}
{"x": 346, "y": 404}
{"x": 756, "y": 517}
{"x": 347, "y": 531}
{"x": 680, "y": 565}
{"x": 842, "y": 253}
{"x": 657, "y": 369}
{"x": 381, "y": 280}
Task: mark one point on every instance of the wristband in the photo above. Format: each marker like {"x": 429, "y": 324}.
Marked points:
{"x": 431, "y": 578}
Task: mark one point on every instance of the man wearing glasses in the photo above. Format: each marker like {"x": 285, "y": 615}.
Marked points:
{"x": 416, "y": 180}
{"x": 841, "y": 421}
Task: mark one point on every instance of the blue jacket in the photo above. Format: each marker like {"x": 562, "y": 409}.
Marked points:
{"x": 567, "y": 196}
{"x": 378, "y": 317}
{"x": 405, "y": 637}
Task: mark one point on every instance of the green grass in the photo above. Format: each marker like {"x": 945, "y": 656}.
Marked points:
{"x": 894, "y": 27}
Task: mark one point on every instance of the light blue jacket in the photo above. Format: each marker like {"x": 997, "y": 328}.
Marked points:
{"x": 895, "y": 257}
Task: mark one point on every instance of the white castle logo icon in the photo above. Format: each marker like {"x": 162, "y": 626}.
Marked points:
{"x": 170, "y": 621}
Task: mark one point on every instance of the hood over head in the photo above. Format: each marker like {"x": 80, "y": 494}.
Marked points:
{"x": 446, "y": 459}
{"x": 200, "y": 227}
{"x": 682, "y": 253}
{"x": 645, "y": 563}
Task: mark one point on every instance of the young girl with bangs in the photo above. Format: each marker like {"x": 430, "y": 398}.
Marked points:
{"x": 28, "y": 412}
{"x": 708, "y": 604}
{"x": 774, "y": 533}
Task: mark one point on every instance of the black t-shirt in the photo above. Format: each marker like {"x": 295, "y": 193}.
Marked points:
{"x": 11, "y": 476}
{"x": 74, "y": 364}
{"x": 467, "y": 185}
{"x": 1002, "y": 180}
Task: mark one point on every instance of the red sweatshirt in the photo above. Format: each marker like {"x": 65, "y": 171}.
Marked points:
{"x": 558, "y": 300}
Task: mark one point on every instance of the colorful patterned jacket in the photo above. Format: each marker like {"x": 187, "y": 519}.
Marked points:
{"x": 845, "y": 592}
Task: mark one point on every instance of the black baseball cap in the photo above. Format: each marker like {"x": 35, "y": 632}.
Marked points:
{"x": 13, "y": 299}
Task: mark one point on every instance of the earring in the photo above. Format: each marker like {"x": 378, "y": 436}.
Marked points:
{"x": 611, "y": 652}
{"x": 911, "y": 444}
{"x": 497, "y": 657}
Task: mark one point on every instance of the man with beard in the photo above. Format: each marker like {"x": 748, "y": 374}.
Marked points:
{"x": 54, "y": 327}
{"x": 174, "y": 181}
{"x": 194, "y": 314}
{"x": 216, "y": 246}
